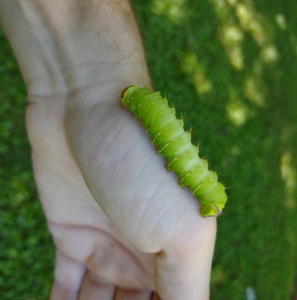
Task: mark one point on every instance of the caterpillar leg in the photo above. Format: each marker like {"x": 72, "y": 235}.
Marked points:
{"x": 209, "y": 210}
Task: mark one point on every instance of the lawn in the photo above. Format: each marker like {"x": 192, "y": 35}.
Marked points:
{"x": 230, "y": 67}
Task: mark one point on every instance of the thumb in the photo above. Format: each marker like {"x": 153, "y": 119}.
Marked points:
{"x": 147, "y": 206}
{"x": 182, "y": 268}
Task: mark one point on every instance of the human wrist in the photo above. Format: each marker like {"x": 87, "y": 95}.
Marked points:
{"x": 67, "y": 47}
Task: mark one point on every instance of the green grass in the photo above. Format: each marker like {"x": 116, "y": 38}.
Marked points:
{"x": 26, "y": 250}
{"x": 232, "y": 69}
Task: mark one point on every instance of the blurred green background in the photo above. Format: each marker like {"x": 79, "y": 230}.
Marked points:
{"x": 230, "y": 66}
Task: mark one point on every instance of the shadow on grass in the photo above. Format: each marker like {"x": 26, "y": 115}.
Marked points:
{"x": 26, "y": 250}
{"x": 231, "y": 66}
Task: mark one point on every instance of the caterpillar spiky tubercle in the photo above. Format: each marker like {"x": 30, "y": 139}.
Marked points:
{"x": 171, "y": 140}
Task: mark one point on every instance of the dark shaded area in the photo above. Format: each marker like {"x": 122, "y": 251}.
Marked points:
{"x": 26, "y": 250}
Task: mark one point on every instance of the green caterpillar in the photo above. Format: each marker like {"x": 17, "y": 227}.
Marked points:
{"x": 170, "y": 139}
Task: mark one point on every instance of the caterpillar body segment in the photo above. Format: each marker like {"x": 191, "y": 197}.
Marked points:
{"x": 171, "y": 140}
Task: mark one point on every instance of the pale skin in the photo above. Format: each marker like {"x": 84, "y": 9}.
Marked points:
{"x": 122, "y": 226}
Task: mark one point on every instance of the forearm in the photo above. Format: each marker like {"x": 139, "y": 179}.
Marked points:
{"x": 65, "y": 45}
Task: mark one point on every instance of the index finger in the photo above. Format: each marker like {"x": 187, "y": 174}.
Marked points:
{"x": 183, "y": 267}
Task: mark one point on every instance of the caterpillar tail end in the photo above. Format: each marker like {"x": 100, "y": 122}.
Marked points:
{"x": 210, "y": 210}
{"x": 134, "y": 87}
{"x": 125, "y": 95}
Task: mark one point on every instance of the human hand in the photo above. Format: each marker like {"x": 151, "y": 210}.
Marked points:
{"x": 116, "y": 215}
